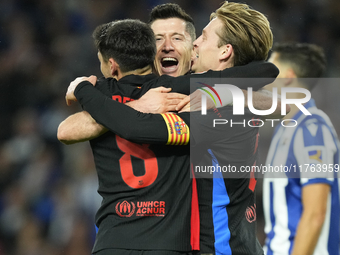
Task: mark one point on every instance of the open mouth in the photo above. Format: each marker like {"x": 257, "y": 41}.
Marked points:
{"x": 169, "y": 63}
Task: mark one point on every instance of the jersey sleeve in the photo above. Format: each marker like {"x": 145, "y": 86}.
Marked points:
{"x": 239, "y": 76}
{"x": 170, "y": 129}
{"x": 314, "y": 150}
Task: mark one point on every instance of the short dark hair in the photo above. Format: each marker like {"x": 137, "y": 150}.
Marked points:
{"x": 307, "y": 60}
{"x": 131, "y": 43}
{"x": 170, "y": 10}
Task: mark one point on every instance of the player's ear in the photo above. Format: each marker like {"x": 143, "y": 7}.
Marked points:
{"x": 226, "y": 52}
{"x": 113, "y": 67}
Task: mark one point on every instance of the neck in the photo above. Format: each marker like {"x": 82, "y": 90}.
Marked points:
{"x": 224, "y": 65}
{"x": 142, "y": 71}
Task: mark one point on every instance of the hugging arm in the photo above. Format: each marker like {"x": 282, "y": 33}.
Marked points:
{"x": 79, "y": 127}
{"x": 129, "y": 123}
{"x": 73, "y": 130}
{"x": 241, "y": 76}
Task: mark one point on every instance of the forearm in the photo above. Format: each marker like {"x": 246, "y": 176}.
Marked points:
{"x": 121, "y": 119}
{"x": 79, "y": 127}
{"x": 256, "y": 74}
{"x": 308, "y": 233}
{"x": 157, "y": 100}
{"x": 240, "y": 76}
{"x": 314, "y": 201}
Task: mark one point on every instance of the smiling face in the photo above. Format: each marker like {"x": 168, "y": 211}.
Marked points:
{"x": 174, "y": 47}
{"x": 207, "y": 54}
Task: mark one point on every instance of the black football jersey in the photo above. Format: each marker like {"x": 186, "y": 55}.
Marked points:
{"x": 146, "y": 189}
{"x": 226, "y": 199}
{"x": 222, "y": 158}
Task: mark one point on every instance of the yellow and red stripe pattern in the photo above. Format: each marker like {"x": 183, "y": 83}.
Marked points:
{"x": 178, "y": 130}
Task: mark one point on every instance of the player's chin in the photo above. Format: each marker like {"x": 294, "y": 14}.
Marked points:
{"x": 173, "y": 71}
{"x": 194, "y": 68}
{"x": 194, "y": 65}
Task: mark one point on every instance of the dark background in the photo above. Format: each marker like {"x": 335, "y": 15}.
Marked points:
{"x": 48, "y": 190}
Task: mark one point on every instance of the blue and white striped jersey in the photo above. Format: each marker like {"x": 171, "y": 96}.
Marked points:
{"x": 311, "y": 153}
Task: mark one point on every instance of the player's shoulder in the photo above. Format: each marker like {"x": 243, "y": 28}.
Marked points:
{"x": 163, "y": 80}
{"x": 315, "y": 130}
{"x": 148, "y": 82}
{"x": 105, "y": 84}
{"x": 311, "y": 128}
{"x": 317, "y": 119}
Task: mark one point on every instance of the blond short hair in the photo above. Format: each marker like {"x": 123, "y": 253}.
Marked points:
{"x": 246, "y": 29}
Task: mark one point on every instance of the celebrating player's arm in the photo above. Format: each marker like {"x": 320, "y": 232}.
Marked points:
{"x": 156, "y": 128}
{"x": 81, "y": 127}
{"x": 262, "y": 100}
{"x": 68, "y": 132}
{"x": 167, "y": 128}
{"x": 123, "y": 120}
{"x": 240, "y": 76}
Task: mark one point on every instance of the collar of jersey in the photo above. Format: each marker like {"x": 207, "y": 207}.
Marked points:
{"x": 136, "y": 80}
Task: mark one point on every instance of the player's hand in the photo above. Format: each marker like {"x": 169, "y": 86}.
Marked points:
{"x": 184, "y": 105}
{"x": 157, "y": 100}
{"x": 194, "y": 103}
{"x": 70, "y": 90}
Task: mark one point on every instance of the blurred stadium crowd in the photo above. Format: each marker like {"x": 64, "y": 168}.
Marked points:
{"x": 48, "y": 192}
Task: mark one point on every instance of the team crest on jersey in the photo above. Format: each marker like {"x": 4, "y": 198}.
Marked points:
{"x": 315, "y": 155}
{"x": 181, "y": 127}
{"x": 125, "y": 208}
